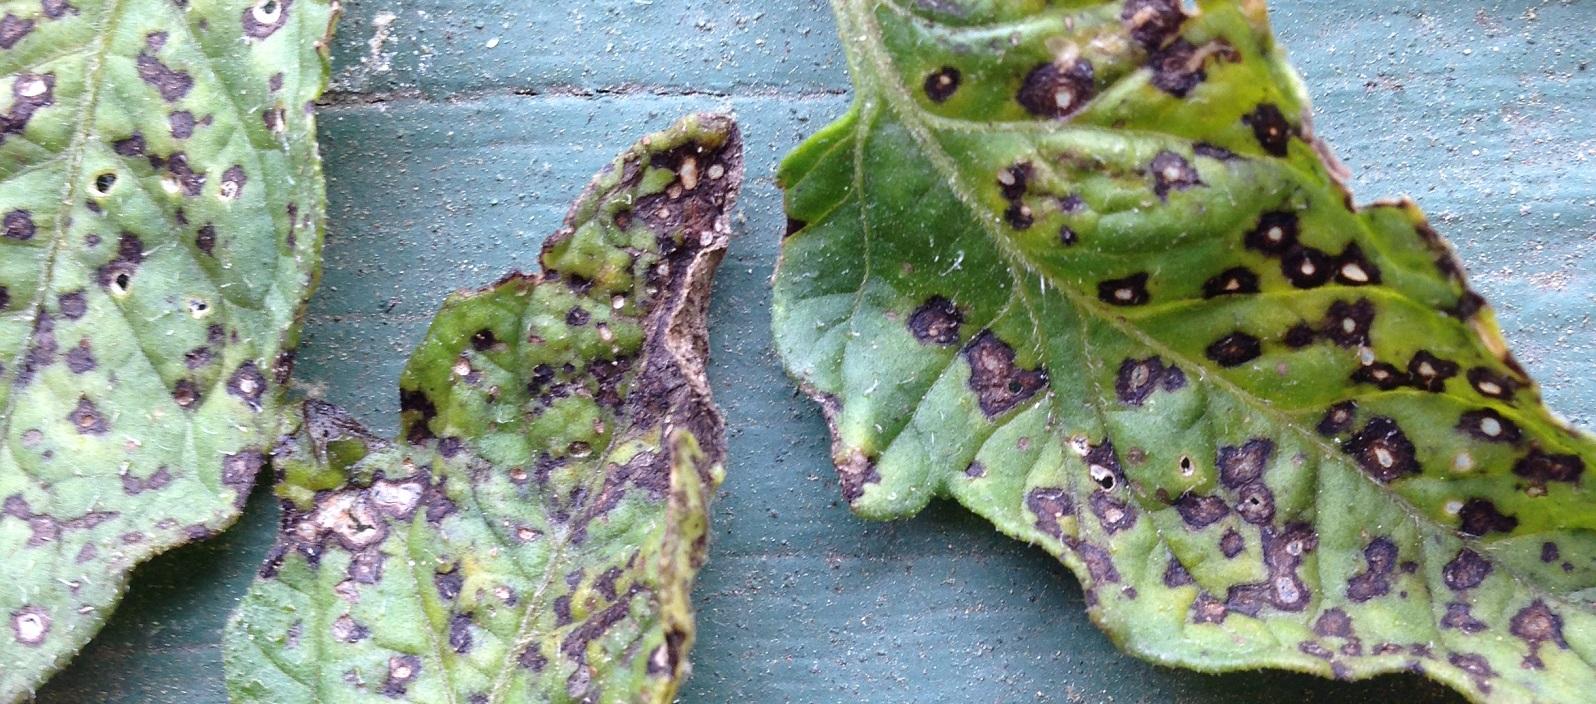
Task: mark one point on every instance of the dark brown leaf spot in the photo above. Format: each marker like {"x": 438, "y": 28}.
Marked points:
{"x": 1055, "y": 91}
{"x": 1231, "y": 544}
{"x": 13, "y": 29}
{"x": 1429, "y": 372}
{"x": 936, "y": 322}
{"x": 1255, "y": 503}
{"x": 1235, "y": 280}
{"x": 1491, "y": 384}
{"x": 1374, "y": 580}
{"x": 1466, "y": 571}
{"x": 1354, "y": 269}
{"x": 1152, "y": 22}
{"x": 1537, "y": 624}
{"x": 1207, "y": 609}
{"x": 1178, "y": 67}
{"x": 1200, "y": 511}
{"x": 1129, "y": 291}
{"x": 999, "y": 385}
{"x": 1333, "y": 623}
{"x": 1270, "y": 127}
{"x": 1381, "y": 374}
{"x": 232, "y": 184}
{"x": 1239, "y": 466}
{"x": 171, "y": 83}
{"x": 1383, "y": 451}
{"x": 1542, "y": 467}
{"x": 1235, "y": 349}
{"x": 80, "y": 359}
{"x": 73, "y": 304}
{"x": 1299, "y": 336}
{"x": 181, "y": 123}
{"x": 1348, "y": 324}
{"x": 402, "y": 669}
{"x": 1480, "y": 516}
{"x": 1176, "y": 575}
{"x": 1306, "y": 267}
{"x": 265, "y": 17}
{"x": 942, "y": 84}
{"x": 1114, "y": 513}
{"x": 248, "y": 385}
{"x": 87, "y": 419}
{"x": 30, "y": 625}
{"x": 1171, "y": 172}
{"x": 460, "y": 633}
{"x": 1275, "y": 234}
{"x": 1050, "y": 505}
{"x": 18, "y": 225}
{"x": 1458, "y": 617}
{"x": 1488, "y": 425}
{"x": 1139, "y": 378}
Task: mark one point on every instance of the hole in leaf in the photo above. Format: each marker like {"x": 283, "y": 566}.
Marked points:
{"x": 104, "y": 182}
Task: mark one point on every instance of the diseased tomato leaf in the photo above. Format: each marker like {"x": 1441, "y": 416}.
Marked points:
{"x": 1083, "y": 268}
{"x": 534, "y": 534}
{"x": 160, "y": 231}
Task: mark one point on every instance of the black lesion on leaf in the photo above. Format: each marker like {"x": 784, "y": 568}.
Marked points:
{"x": 265, "y": 17}
{"x": 1541, "y": 467}
{"x": 577, "y": 316}
{"x": 239, "y": 470}
{"x": 1128, "y": 291}
{"x": 181, "y": 123}
{"x": 247, "y": 384}
{"x": 87, "y": 419}
{"x": 1243, "y": 465}
{"x": 1537, "y": 625}
{"x": 1275, "y": 234}
{"x": 1348, "y": 324}
{"x": 1114, "y": 513}
{"x": 186, "y": 394}
{"x": 1478, "y": 517}
{"x": 13, "y": 29}
{"x": 232, "y": 183}
{"x": 117, "y": 274}
{"x": 1491, "y": 384}
{"x": 1231, "y": 544}
{"x": 1488, "y": 425}
{"x": 1355, "y": 269}
{"x": 1050, "y": 505}
{"x": 1178, "y": 68}
{"x": 1171, "y": 172}
{"x": 1176, "y": 575}
{"x": 29, "y": 93}
{"x": 189, "y": 181}
{"x": 460, "y": 640}
{"x": 1199, "y": 511}
{"x": 999, "y": 385}
{"x": 205, "y": 239}
{"x": 1283, "y": 551}
{"x": 80, "y": 359}
{"x": 18, "y": 225}
{"x": 1375, "y": 580}
{"x": 1208, "y": 609}
{"x": 1429, "y": 372}
{"x": 854, "y": 473}
{"x": 1255, "y": 503}
{"x": 1270, "y": 127}
{"x": 1383, "y": 451}
{"x": 1383, "y": 375}
{"x": 1139, "y": 378}
{"x": 1235, "y": 349}
{"x": 1299, "y": 336}
{"x": 402, "y": 670}
{"x": 484, "y": 340}
{"x": 1458, "y": 617}
{"x": 171, "y": 83}
{"x": 936, "y": 322}
{"x": 1475, "y": 665}
{"x": 1306, "y": 267}
{"x": 1466, "y": 571}
{"x": 1152, "y": 22}
{"x": 1054, "y": 91}
{"x": 73, "y": 304}
{"x": 942, "y": 84}
{"x": 1235, "y": 280}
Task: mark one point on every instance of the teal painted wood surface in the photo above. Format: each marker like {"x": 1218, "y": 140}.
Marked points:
{"x": 459, "y": 130}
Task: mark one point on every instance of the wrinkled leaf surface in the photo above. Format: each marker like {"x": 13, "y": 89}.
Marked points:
{"x": 160, "y": 210}
{"x": 1083, "y": 268}
{"x": 534, "y": 533}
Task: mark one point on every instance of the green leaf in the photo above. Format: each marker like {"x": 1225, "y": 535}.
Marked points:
{"x": 160, "y": 231}
{"x": 1083, "y": 268}
{"x": 534, "y": 534}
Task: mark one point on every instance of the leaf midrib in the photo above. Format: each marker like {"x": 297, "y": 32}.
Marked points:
{"x": 859, "y": 28}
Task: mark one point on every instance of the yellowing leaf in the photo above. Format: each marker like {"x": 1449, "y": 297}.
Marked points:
{"x": 160, "y": 231}
{"x": 1083, "y": 268}
{"x": 534, "y": 535}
